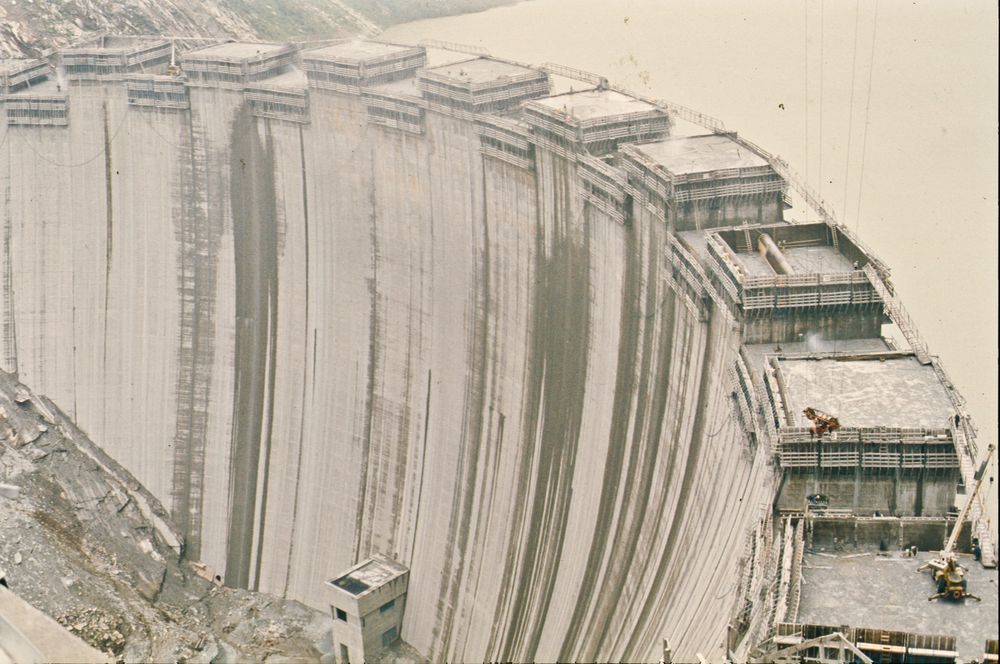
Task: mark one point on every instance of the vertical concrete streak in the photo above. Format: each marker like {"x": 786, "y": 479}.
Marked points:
{"x": 423, "y": 458}
{"x": 374, "y": 344}
{"x": 252, "y": 199}
{"x": 499, "y": 642}
{"x": 303, "y": 408}
{"x": 559, "y": 364}
{"x": 691, "y": 471}
{"x": 473, "y": 398}
{"x": 271, "y": 235}
{"x": 108, "y": 247}
{"x": 196, "y": 246}
{"x": 647, "y": 406}
{"x": 624, "y": 389}
{"x": 9, "y": 319}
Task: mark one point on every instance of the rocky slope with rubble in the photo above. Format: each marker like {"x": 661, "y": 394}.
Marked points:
{"x": 31, "y": 27}
{"x": 84, "y": 542}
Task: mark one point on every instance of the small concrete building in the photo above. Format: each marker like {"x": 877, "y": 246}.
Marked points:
{"x": 367, "y": 603}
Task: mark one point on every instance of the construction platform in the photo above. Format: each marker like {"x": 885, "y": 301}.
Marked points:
{"x": 600, "y": 119}
{"x": 884, "y": 591}
{"x": 480, "y": 85}
{"x": 351, "y": 66}
{"x": 43, "y": 104}
{"x": 882, "y": 390}
{"x": 20, "y": 73}
{"x": 707, "y": 181}
{"x": 112, "y": 57}
{"x": 281, "y": 97}
{"x": 396, "y": 105}
{"x": 235, "y": 64}
{"x": 698, "y": 155}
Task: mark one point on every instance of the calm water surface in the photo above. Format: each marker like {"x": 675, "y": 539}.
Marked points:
{"x": 793, "y": 76}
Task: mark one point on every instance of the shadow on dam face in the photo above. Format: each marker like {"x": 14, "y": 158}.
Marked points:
{"x": 252, "y": 198}
{"x": 361, "y": 333}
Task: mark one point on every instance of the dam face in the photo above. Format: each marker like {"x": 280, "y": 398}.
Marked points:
{"x": 339, "y": 302}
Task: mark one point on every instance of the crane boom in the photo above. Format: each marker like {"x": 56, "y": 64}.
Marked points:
{"x": 963, "y": 515}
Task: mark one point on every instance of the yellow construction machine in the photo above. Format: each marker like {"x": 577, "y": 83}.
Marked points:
{"x": 948, "y": 575}
{"x": 822, "y": 422}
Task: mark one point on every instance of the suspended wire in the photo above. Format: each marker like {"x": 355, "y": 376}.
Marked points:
{"x": 822, "y": 35}
{"x": 868, "y": 104}
{"x": 850, "y": 107}
{"x": 100, "y": 153}
{"x": 805, "y": 7}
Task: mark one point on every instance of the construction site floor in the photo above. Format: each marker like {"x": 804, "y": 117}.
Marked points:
{"x": 886, "y": 592}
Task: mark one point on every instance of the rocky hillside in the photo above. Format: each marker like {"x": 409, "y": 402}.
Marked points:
{"x": 30, "y": 27}
{"x": 82, "y": 541}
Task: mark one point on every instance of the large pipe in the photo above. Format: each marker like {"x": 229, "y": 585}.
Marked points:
{"x": 773, "y": 254}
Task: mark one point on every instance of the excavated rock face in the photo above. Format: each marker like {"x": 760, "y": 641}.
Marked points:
{"x": 81, "y": 540}
{"x": 30, "y": 27}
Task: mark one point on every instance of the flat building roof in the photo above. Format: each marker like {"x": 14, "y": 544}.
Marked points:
{"x": 869, "y": 391}
{"x": 838, "y": 589}
{"x": 238, "y": 50}
{"x": 293, "y": 79}
{"x": 368, "y": 575}
{"x": 481, "y": 70}
{"x": 701, "y": 154}
{"x": 359, "y": 51}
{"x": 593, "y": 104}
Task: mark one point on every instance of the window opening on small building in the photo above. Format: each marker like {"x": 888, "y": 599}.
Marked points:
{"x": 387, "y": 606}
{"x": 341, "y": 614}
{"x": 389, "y": 637}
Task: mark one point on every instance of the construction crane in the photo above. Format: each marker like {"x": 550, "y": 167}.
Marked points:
{"x": 948, "y": 574}
{"x": 822, "y": 422}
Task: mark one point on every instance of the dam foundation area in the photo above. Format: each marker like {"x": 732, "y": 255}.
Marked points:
{"x": 505, "y": 344}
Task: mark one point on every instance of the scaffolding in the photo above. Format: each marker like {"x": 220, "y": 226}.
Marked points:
{"x": 114, "y": 58}
{"x": 20, "y": 74}
{"x": 761, "y": 294}
{"x": 43, "y": 110}
{"x": 277, "y": 103}
{"x": 480, "y": 85}
{"x": 880, "y": 645}
{"x": 600, "y": 132}
{"x": 602, "y": 186}
{"x": 166, "y": 92}
{"x": 505, "y": 139}
{"x": 352, "y": 66}
{"x": 235, "y": 64}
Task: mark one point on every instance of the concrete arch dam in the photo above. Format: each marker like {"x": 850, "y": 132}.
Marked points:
{"x": 329, "y": 303}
